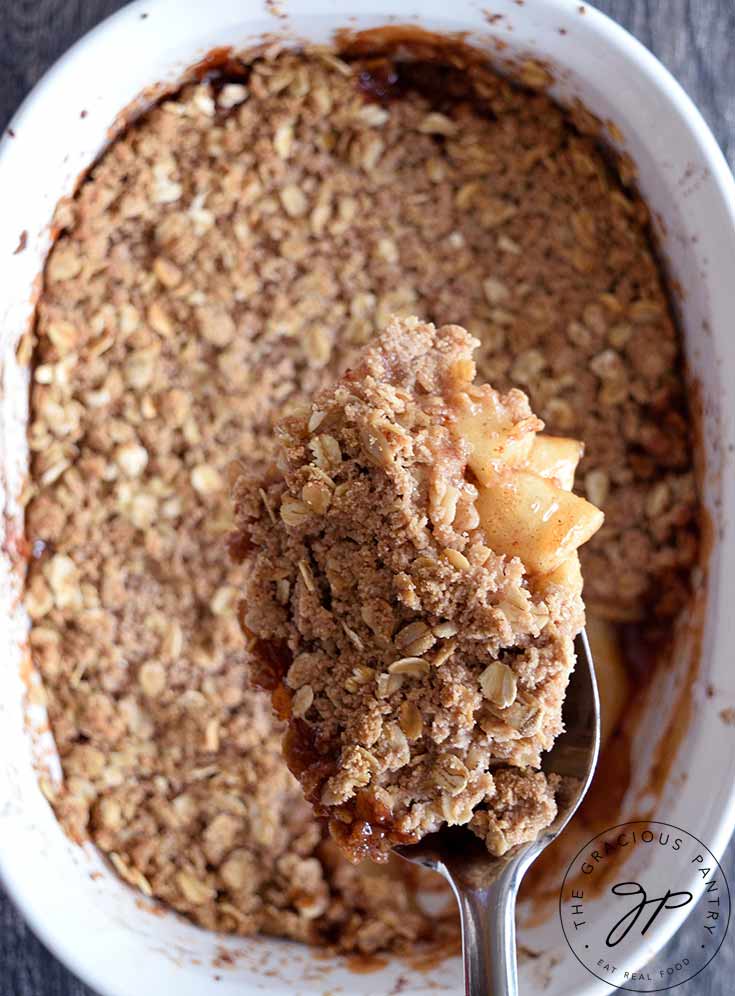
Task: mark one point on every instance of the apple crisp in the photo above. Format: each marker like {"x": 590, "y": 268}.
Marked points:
{"x": 223, "y": 259}
{"x": 407, "y": 568}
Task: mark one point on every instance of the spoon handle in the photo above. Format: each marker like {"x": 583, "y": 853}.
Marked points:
{"x": 489, "y": 939}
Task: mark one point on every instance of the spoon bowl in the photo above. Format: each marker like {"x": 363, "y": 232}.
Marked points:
{"x": 485, "y": 886}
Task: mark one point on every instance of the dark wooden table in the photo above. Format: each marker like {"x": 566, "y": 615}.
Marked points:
{"x": 693, "y": 38}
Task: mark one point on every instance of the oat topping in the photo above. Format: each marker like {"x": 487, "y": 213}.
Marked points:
{"x": 434, "y": 595}
{"x": 186, "y": 307}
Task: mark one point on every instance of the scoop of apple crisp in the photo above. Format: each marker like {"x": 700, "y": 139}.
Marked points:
{"x": 413, "y": 595}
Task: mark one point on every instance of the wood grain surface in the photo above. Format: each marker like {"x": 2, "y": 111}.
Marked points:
{"x": 693, "y": 38}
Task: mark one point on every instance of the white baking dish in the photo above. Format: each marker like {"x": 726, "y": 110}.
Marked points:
{"x": 85, "y": 915}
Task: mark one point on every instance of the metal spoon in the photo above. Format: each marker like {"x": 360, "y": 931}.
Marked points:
{"x": 486, "y": 887}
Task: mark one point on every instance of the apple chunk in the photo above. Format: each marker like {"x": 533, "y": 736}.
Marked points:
{"x": 555, "y": 457}
{"x": 528, "y": 516}
{"x": 613, "y": 682}
{"x": 495, "y": 439}
{"x": 567, "y": 575}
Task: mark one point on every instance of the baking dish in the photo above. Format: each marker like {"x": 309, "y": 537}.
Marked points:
{"x": 88, "y": 918}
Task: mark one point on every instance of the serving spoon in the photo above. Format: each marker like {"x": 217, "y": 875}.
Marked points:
{"x": 486, "y": 887}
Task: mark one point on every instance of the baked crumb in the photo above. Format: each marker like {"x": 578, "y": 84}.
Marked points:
{"x": 225, "y": 257}
{"x": 522, "y": 805}
{"x": 413, "y": 595}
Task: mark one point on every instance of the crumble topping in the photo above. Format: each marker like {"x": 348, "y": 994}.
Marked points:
{"x": 226, "y": 256}
{"x": 415, "y": 658}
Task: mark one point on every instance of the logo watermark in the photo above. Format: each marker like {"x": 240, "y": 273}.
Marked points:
{"x": 628, "y": 882}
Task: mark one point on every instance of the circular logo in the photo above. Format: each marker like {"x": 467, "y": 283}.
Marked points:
{"x": 626, "y": 884}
